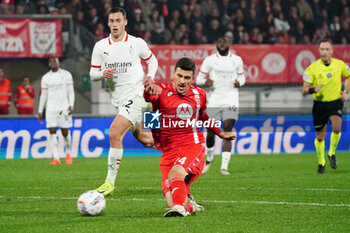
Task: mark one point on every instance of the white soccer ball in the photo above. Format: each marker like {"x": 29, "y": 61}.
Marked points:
{"x": 91, "y": 203}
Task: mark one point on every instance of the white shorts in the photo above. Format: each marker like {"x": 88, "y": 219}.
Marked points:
{"x": 223, "y": 113}
{"x": 131, "y": 109}
{"x": 58, "y": 119}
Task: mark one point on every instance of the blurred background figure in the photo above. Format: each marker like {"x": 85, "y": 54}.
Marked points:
{"x": 5, "y": 94}
{"x": 24, "y": 97}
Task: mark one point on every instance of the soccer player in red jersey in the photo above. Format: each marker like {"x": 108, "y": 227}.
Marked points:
{"x": 181, "y": 107}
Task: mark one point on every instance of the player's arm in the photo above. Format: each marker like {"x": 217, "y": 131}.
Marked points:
{"x": 42, "y": 100}
{"x": 203, "y": 77}
{"x": 308, "y": 80}
{"x": 151, "y": 60}
{"x": 71, "y": 94}
{"x": 96, "y": 73}
{"x": 240, "y": 81}
{"x": 152, "y": 93}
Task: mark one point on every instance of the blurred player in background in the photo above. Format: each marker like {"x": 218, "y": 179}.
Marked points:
{"x": 322, "y": 79}
{"x": 24, "y": 97}
{"x": 5, "y": 94}
{"x": 58, "y": 93}
{"x": 183, "y": 155}
{"x": 118, "y": 59}
{"x": 223, "y": 71}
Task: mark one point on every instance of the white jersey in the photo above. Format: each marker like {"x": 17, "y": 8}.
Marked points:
{"x": 223, "y": 70}
{"x": 125, "y": 56}
{"x": 57, "y": 86}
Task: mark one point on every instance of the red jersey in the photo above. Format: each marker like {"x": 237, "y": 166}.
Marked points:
{"x": 179, "y": 114}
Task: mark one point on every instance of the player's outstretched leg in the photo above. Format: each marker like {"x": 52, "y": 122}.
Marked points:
{"x": 67, "y": 144}
{"x": 117, "y": 131}
{"x": 332, "y": 147}
{"x": 53, "y": 146}
{"x": 319, "y": 145}
{"x": 226, "y": 156}
{"x": 210, "y": 142}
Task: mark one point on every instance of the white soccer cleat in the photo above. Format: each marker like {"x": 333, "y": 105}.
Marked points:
{"x": 176, "y": 211}
{"x": 196, "y": 207}
{"x": 206, "y": 167}
{"x": 224, "y": 172}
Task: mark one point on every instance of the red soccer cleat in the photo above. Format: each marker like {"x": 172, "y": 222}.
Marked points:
{"x": 69, "y": 159}
{"x": 55, "y": 162}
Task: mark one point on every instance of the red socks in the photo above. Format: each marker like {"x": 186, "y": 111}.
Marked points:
{"x": 178, "y": 191}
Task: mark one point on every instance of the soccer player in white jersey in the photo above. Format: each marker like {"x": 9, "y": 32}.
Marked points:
{"x": 118, "y": 59}
{"x": 58, "y": 93}
{"x": 223, "y": 72}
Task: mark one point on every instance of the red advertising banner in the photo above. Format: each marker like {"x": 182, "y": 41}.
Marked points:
{"x": 262, "y": 63}
{"x": 25, "y": 38}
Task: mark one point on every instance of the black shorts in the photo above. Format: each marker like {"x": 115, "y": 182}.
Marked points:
{"x": 321, "y": 111}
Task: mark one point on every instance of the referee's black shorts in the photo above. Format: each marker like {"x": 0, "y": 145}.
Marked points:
{"x": 321, "y": 111}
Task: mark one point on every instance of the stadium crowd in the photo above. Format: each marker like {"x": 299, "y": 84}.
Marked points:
{"x": 203, "y": 21}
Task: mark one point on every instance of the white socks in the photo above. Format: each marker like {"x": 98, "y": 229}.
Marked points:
{"x": 53, "y": 145}
{"x": 226, "y": 156}
{"x": 67, "y": 143}
{"x": 114, "y": 159}
{"x": 210, "y": 154}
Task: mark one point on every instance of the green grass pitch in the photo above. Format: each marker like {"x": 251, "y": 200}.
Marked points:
{"x": 264, "y": 193}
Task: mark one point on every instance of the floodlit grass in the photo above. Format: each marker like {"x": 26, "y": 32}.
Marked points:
{"x": 264, "y": 193}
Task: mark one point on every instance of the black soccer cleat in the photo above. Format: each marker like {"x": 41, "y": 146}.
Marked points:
{"x": 333, "y": 161}
{"x": 321, "y": 169}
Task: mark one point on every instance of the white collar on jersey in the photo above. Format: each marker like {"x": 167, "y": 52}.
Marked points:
{"x": 125, "y": 38}
{"x": 228, "y": 55}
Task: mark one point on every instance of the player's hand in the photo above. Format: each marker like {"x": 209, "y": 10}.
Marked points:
{"x": 147, "y": 81}
{"x": 108, "y": 73}
{"x": 344, "y": 96}
{"x": 70, "y": 110}
{"x": 40, "y": 118}
{"x": 153, "y": 89}
{"x": 318, "y": 88}
{"x": 227, "y": 135}
{"x": 209, "y": 82}
{"x": 237, "y": 84}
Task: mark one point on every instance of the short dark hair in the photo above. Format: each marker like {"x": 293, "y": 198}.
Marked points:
{"x": 324, "y": 41}
{"x": 116, "y": 10}
{"x": 186, "y": 64}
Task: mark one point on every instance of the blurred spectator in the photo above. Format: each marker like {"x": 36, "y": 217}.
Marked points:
{"x": 184, "y": 40}
{"x": 5, "y": 93}
{"x": 245, "y": 38}
{"x": 175, "y": 16}
{"x": 317, "y": 36}
{"x": 303, "y": 7}
{"x": 196, "y": 16}
{"x": 197, "y": 35}
{"x": 292, "y": 40}
{"x": 252, "y": 21}
{"x": 73, "y": 7}
{"x": 226, "y": 10}
{"x": 345, "y": 15}
{"x": 175, "y": 5}
{"x": 157, "y": 34}
{"x": 239, "y": 17}
{"x": 169, "y": 32}
{"x": 306, "y": 40}
{"x": 181, "y": 32}
{"x": 153, "y": 18}
{"x": 299, "y": 32}
{"x": 267, "y": 22}
{"x": 229, "y": 37}
{"x": 270, "y": 36}
{"x": 309, "y": 24}
{"x": 147, "y": 7}
{"x": 259, "y": 39}
{"x": 100, "y": 32}
{"x": 207, "y": 5}
{"x": 213, "y": 15}
{"x": 335, "y": 25}
{"x": 280, "y": 23}
{"x": 42, "y": 9}
{"x": 239, "y": 33}
{"x": 214, "y": 31}
{"x": 141, "y": 31}
{"x": 91, "y": 19}
{"x": 19, "y": 9}
{"x": 253, "y": 37}
{"x": 344, "y": 33}
{"x": 24, "y": 97}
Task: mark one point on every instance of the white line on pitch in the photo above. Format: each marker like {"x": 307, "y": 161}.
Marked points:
{"x": 201, "y": 188}
{"x": 205, "y": 201}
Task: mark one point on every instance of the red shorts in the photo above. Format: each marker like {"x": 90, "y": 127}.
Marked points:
{"x": 191, "y": 157}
